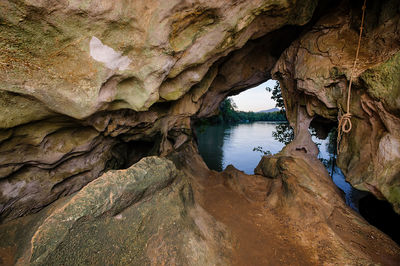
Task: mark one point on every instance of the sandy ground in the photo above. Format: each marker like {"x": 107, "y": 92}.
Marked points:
{"x": 265, "y": 237}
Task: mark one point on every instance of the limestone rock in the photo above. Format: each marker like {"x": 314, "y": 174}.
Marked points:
{"x": 145, "y": 214}
{"x": 314, "y": 73}
{"x": 123, "y": 78}
{"x": 314, "y": 208}
{"x": 79, "y": 58}
{"x": 298, "y": 217}
{"x": 88, "y": 87}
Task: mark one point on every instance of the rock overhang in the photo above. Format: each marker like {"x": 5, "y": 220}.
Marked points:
{"x": 124, "y": 76}
{"x": 93, "y": 86}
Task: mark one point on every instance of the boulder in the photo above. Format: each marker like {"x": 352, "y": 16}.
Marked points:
{"x": 143, "y": 215}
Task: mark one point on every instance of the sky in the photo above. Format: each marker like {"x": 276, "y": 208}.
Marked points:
{"x": 255, "y": 99}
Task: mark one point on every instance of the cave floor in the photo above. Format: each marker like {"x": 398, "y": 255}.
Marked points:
{"x": 261, "y": 238}
{"x": 266, "y": 236}
{"x": 292, "y": 214}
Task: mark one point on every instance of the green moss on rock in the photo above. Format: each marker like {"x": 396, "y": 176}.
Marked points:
{"x": 383, "y": 83}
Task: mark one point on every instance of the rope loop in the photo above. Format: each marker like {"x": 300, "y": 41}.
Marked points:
{"x": 343, "y": 127}
{"x": 345, "y": 120}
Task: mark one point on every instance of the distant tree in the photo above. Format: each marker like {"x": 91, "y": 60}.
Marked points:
{"x": 228, "y": 104}
{"x": 228, "y": 113}
{"x": 277, "y": 96}
{"x": 228, "y": 110}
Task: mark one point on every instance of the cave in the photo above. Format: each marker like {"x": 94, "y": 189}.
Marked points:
{"x": 99, "y": 159}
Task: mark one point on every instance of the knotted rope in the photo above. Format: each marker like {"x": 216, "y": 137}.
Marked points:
{"x": 345, "y": 120}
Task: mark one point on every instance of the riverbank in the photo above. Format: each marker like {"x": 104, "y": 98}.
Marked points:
{"x": 223, "y": 145}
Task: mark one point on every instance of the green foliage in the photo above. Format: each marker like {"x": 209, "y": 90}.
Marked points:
{"x": 277, "y": 96}
{"x": 228, "y": 111}
{"x": 229, "y": 114}
{"x": 283, "y": 133}
{"x": 260, "y": 149}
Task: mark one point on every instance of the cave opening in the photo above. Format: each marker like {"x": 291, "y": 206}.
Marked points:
{"x": 378, "y": 213}
{"x": 135, "y": 89}
{"x": 243, "y": 142}
{"x": 248, "y": 126}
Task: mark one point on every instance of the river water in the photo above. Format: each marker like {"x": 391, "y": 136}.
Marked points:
{"x": 221, "y": 145}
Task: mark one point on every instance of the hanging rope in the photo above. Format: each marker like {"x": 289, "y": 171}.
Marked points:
{"x": 345, "y": 120}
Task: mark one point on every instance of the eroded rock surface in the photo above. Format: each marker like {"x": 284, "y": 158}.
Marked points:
{"x": 313, "y": 209}
{"x": 152, "y": 213}
{"x": 76, "y": 58}
{"x": 88, "y": 87}
{"x": 314, "y": 73}
{"x": 114, "y": 73}
{"x": 143, "y": 215}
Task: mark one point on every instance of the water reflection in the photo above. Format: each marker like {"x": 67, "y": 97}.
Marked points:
{"x": 211, "y": 142}
{"x": 221, "y": 145}
{"x": 327, "y": 154}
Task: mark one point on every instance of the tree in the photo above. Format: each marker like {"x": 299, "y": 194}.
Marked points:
{"x": 284, "y": 133}
{"x": 260, "y": 149}
{"x": 228, "y": 111}
{"x": 277, "y": 96}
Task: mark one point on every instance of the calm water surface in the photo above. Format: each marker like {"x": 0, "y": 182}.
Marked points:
{"x": 221, "y": 145}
